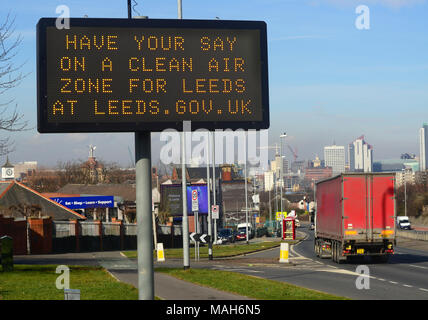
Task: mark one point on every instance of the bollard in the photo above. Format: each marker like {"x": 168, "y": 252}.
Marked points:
{"x": 71, "y": 294}
{"x": 6, "y": 253}
{"x": 283, "y": 255}
{"x": 160, "y": 252}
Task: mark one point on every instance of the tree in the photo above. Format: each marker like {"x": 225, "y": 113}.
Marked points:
{"x": 10, "y": 77}
{"x": 417, "y": 199}
{"x": 42, "y": 181}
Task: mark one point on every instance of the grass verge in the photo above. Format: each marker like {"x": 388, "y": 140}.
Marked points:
{"x": 38, "y": 282}
{"x": 219, "y": 251}
{"x": 249, "y": 286}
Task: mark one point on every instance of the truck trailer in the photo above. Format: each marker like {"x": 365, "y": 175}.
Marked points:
{"x": 355, "y": 216}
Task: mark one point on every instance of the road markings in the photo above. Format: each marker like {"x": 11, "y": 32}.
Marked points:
{"x": 232, "y": 269}
{"x": 420, "y": 267}
{"x": 334, "y": 269}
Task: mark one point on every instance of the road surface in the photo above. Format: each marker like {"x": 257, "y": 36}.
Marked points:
{"x": 405, "y": 276}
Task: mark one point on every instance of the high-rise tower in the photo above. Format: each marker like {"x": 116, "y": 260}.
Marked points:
{"x": 423, "y": 147}
{"x": 360, "y": 155}
{"x": 334, "y": 157}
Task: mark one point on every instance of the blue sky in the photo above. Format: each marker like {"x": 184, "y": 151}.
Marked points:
{"x": 328, "y": 80}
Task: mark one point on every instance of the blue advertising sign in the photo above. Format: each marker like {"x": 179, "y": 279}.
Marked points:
{"x": 202, "y": 198}
{"x": 86, "y": 202}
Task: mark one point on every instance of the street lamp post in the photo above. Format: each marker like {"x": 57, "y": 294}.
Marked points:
{"x": 281, "y": 170}
{"x": 405, "y": 192}
{"x": 246, "y": 199}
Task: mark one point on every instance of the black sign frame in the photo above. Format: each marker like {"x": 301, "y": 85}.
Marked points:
{"x": 43, "y": 126}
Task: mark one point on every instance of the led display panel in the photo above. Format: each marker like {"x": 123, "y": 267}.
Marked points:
{"x": 127, "y": 75}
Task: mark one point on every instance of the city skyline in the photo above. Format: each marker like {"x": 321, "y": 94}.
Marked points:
{"x": 273, "y": 156}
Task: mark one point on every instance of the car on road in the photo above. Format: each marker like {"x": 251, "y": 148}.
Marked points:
{"x": 262, "y": 231}
{"x": 241, "y": 235}
{"x": 403, "y": 222}
{"x": 226, "y": 235}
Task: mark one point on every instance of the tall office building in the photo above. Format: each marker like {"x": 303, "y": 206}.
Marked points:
{"x": 360, "y": 155}
{"x": 285, "y": 166}
{"x": 334, "y": 157}
{"x": 423, "y": 147}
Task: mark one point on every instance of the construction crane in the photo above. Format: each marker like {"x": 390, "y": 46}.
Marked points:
{"x": 293, "y": 151}
{"x": 131, "y": 157}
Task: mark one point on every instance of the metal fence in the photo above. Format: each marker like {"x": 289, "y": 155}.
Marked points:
{"x": 413, "y": 234}
{"x": 89, "y": 229}
{"x": 62, "y": 229}
{"x": 84, "y": 236}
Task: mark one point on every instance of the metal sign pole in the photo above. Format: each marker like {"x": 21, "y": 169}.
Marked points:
{"x": 196, "y": 215}
{"x": 143, "y": 189}
{"x": 185, "y": 221}
{"x": 214, "y": 195}
{"x": 195, "y": 209}
{"x": 246, "y": 196}
{"x": 144, "y": 215}
{"x": 210, "y": 243}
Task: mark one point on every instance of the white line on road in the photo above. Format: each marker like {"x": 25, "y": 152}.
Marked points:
{"x": 407, "y": 285}
{"x": 393, "y": 282}
{"x": 244, "y": 270}
{"x": 423, "y": 289}
{"x": 421, "y": 267}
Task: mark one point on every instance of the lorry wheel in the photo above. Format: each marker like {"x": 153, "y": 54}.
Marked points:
{"x": 333, "y": 251}
{"x": 336, "y": 252}
{"x": 340, "y": 258}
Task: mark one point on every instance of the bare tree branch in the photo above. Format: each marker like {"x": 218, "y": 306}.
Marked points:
{"x": 10, "y": 77}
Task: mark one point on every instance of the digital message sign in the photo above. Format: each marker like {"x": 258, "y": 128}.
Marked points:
{"x": 172, "y": 199}
{"x": 202, "y": 198}
{"x": 124, "y": 75}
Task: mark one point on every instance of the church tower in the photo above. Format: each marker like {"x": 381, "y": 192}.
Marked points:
{"x": 7, "y": 171}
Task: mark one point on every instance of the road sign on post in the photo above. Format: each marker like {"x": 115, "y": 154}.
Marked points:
{"x": 214, "y": 211}
{"x": 198, "y": 237}
{"x": 195, "y": 203}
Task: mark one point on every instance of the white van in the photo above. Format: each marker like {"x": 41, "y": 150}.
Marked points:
{"x": 403, "y": 222}
{"x": 242, "y": 231}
